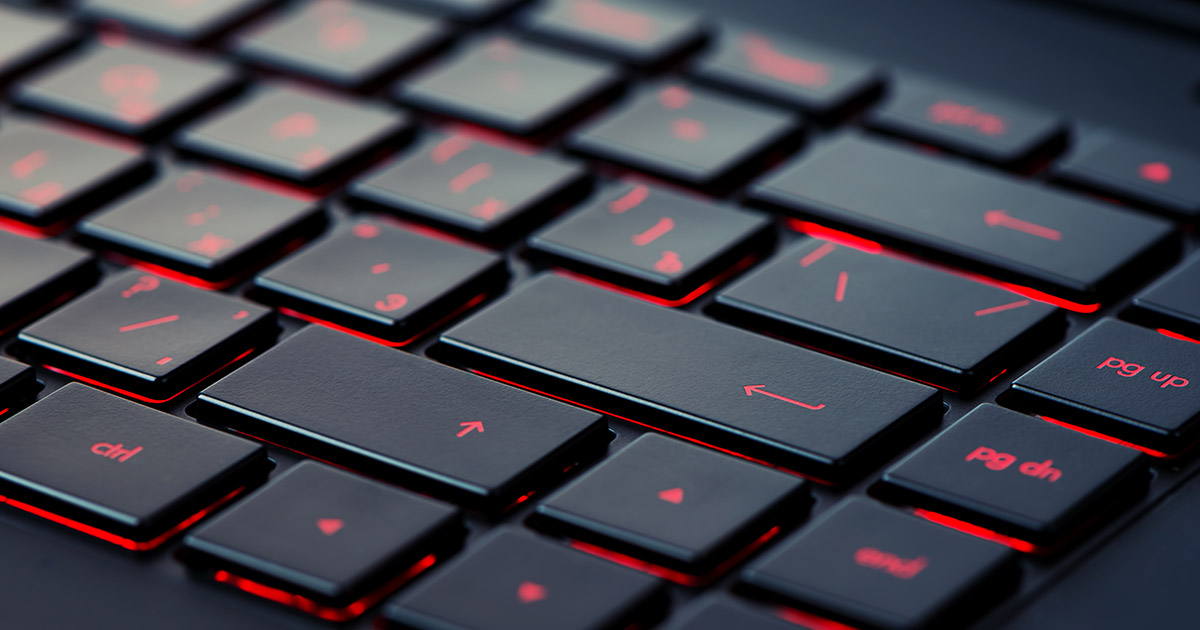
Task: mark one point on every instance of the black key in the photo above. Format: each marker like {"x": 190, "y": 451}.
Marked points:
{"x": 892, "y": 314}
{"x": 1073, "y": 248}
{"x": 688, "y": 134}
{"x": 148, "y": 338}
{"x": 337, "y": 542}
{"x": 1121, "y": 380}
{"x": 18, "y": 385}
{"x": 772, "y": 66}
{"x": 756, "y": 396}
{"x": 717, "y": 612}
{"x": 978, "y": 125}
{"x": 517, "y": 87}
{"x": 188, "y": 20}
{"x": 428, "y": 426}
{"x": 1017, "y": 475}
{"x": 637, "y": 33}
{"x": 201, "y": 224}
{"x": 1172, "y": 302}
{"x": 133, "y": 90}
{"x": 117, "y": 470}
{"x": 680, "y": 506}
{"x": 869, "y": 564}
{"x": 381, "y": 281}
{"x": 46, "y": 175}
{"x": 657, "y": 242}
{"x": 294, "y": 135}
{"x": 27, "y": 39}
{"x": 350, "y": 44}
{"x": 38, "y": 275}
{"x": 472, "y": 186}
{"x": 461, "y": 10}
{"x": 1137, "y": 172}
{"x": 514, "y": 580}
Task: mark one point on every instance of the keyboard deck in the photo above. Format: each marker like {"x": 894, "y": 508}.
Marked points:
{"x": 456, "y": 267}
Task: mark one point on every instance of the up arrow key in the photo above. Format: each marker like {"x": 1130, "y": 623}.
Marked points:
{"x": 468, "y": 427}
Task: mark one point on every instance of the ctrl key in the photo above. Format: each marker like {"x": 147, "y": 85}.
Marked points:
{"x": 873, "y": 566}
{"x": 116, "y": 470}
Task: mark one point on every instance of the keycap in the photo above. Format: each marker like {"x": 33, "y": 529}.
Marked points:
{"x": 47, "y": 175}
{"x": 387, "y": 282}
{"x": 187, "y": 20}
{"x": 472, "y": 186}
{"x": 680, "y": 506}
{"x": 636, "y": 33}
{"x": 27, "y": 39}
{"x": 1141, "y": 173}
{"x": 792, "y": 73}
{"x": 651, "y": 240}
{"x": 431, "y": 428}
{"x": 868, "y": 564}
{"x": 348, "y": 43}
{"x": 892, "y": 314}
{"x": 514, "y": 580}
{"x": 146, "y": 337}
{"x": 514, "y": 86}
{"x": 675, "y": 371}
{"x": 18, "y": 385}
{"x": 460, "y": 10}
{"x": 338, "y": 542}
{"x": 37, "y": 275}
{"x": 117, "y": 470}
{"x": 1121, "y": 380}
{"x": 719, "y": 612}
{"x": 983, "y": 126}
{"x": 1172, "y": 301}
{"x": 1070, "y": 247}
{"x": 687, "y": 134}
{"x": 295, "y": 135}
{"x": 133, "y": 89}
{"x": 201, "y": 224}
{"x": 1018, "y": 475}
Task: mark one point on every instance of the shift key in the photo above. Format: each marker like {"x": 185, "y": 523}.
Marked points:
{"x": 677, "y": 372}
{"x": 1073, "y": 248}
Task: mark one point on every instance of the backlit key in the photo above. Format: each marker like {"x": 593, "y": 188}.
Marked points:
{"x": 338, "y": 543}
{"x": 1137, "y": 172}
{"x": 864, "y": 563}
{"x": 637, "y": 33}
{"x": 518, "y": 87}
{"x": 18, "y": 385}
{"x": 117, "y": 470}
{"x": 1019, "y": 232}
{"x": 981, "y": 126}
{"x": 344, "y": 42}
{"x": 432, "y": 428}
{"x": 201, "y": 224}
{"x": 37, "y": 275}
{"x": 1172, "y": 302}
{"x": 675, "y": 504}
{"x": 1018, "y": 475}
{"x": 460, "y": 10}
{"x": 763, "y": 398}
{"x": 881, "y": 311}
{"x": 472, "y": 186}
{"x": 295, "y": 135}
{"x": 693, "y": 135}
{"x": 27, "y": 38}
{"x": 188, "y": 20}
{"x": 134, "y": 90}
{"x": 787, "y": 71}
{"x": 147, "y": 337}
{"x": 721, "y": 612}
{"x": 47, "y": 175}
{"x": 377, "y": 279}
{"x": 653, "y": 241}
{"x": 513, "y": 580}
{"x": 1121, "y": 380}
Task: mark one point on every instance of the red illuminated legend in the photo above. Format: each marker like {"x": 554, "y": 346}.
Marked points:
{"x": 1157, "y": 172}
{"x": 761, "y": 389}
{"x": 530, "y": 592}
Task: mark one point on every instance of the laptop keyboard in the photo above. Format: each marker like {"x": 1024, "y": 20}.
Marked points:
{"x": 581, "y": 315}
